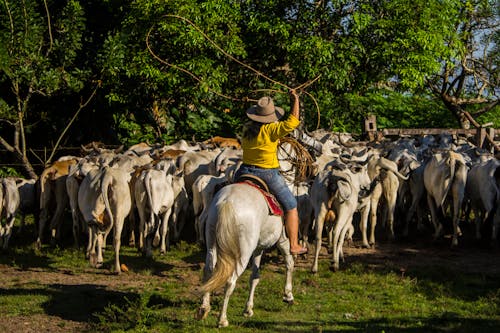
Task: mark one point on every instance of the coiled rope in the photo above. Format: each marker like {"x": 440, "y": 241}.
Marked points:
{"x": 300, "y": 158}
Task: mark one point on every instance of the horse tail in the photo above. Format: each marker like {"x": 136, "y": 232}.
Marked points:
{"x": 228, "y": 248}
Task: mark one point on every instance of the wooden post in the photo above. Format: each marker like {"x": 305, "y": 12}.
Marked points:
{"x": 480, "y": 136}
{"x": 371, "y": 127}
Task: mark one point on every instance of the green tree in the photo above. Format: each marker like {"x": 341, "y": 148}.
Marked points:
{"x": 469, "y": 81}
{"x": 39, "y": 42}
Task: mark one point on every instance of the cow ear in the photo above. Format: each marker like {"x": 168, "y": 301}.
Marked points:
{"x": 344, "y": 189}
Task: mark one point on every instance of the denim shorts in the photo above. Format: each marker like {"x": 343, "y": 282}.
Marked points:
{"x": 274, "y": 181}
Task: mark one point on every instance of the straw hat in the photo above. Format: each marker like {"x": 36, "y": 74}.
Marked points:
{"x": 265, "y": 111}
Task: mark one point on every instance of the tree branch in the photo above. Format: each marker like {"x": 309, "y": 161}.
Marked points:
{"x": 82, "y": 106}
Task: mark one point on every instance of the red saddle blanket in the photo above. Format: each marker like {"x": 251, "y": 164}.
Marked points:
{"x": 272, "y": 203}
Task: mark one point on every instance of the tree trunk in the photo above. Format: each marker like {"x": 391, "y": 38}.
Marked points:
{"x": 458, "y": 113}
{"x": 27, "y": 167}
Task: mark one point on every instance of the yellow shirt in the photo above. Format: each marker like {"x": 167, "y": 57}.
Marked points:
{"x": 262, "y": 151}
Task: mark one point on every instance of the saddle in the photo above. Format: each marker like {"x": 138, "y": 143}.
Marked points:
{"x": 258, "y": 183}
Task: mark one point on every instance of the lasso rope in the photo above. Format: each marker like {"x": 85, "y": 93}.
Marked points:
{"x": 300, "y": 88}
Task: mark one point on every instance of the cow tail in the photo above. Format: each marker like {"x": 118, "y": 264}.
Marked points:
{"x": 43, "y": 186}
{"x": 106, "y": 182}
{"x": 452, "y": 166}
{"x": 147, "y": 183}
{"x": 228, "y": 248}
{"x": 3, "y": 190}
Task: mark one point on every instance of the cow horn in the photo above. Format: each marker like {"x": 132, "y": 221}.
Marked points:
{"x": 119, "y": 149}
{"x": 85, "y": 150}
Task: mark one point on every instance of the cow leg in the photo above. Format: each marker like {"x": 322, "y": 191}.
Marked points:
{"x": 100, "y": 245}
{"x": 409, "y": 215}
{"x": 117, "y": 242}
{"x": 437, "y": 225}
{"x": 41, "y": 227}
{"x": 76, "y": 227}
{"x": 343, "y": 237}
{"x": 91, "y": 242}
{"x": 338, "y": 236}
{"x": 457, "y": 205}
{"x": 8, "y": 231}
{"x": 496, "y": 223}
{"x": 363, "y": 224}
{"x": 478, "y": 218}
{"x": 91, "y": 249}
{"x": 391, "y": 208}
{"x": 374, "y": 200}
{"x": 56, "y": 223}
{"x": 164, "y": 232}
{"x": 319, "y": 222}
{"x": 284, "y": 247}
{"x": 330, "y": 239}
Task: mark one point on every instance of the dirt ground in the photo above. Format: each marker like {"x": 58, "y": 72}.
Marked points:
{"x": 399, "y": 256}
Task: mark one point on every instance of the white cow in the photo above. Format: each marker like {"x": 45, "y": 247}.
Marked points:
{"x": 203, "y": 190}
{"x": 483, "y": 192}
{"x": 335, "y": 196}
{"x": 104, "y": 201}
{"x": 28, "y": 200}
{"x": 387, "y": 171}
{"x": 9, "y": 203}
{"x": 445, "y": 176}
{"x": 155, "y": 197}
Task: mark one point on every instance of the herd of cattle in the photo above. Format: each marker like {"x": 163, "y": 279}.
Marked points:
{"x": 153, "y": 191}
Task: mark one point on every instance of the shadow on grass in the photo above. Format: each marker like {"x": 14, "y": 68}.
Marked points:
{"x": 75, "y": 302}
{"x": 406, "y": 325}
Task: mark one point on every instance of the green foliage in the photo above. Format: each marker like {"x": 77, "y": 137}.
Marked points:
{"x": 8, "y": 172}
{"x": 377, "y": 57}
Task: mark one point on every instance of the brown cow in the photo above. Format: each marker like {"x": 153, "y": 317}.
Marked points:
{"x": 53, "y": 193}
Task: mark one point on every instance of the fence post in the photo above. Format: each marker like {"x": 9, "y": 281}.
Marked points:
{"x": 370, "y": 127}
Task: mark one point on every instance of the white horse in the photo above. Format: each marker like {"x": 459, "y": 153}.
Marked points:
{"x": 239, "y": 228}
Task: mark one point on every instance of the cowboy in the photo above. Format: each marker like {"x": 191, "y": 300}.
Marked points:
{"x": 259, "y": 142}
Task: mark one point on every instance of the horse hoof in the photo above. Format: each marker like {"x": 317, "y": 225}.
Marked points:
{"x": 202, "y": 313}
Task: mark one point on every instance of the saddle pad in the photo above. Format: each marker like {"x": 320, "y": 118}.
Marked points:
{"x": 272, "y": 203}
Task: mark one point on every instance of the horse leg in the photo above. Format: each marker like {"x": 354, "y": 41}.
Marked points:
{"x": 254, "y": 281}
{"x": 231, "y": 284}
{"x": 210, "y": 261}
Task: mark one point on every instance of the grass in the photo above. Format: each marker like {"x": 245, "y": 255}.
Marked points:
{"x": 358, "y": 298}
